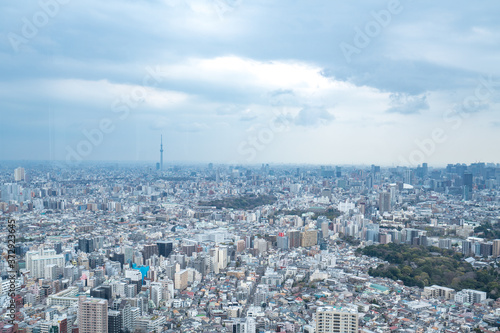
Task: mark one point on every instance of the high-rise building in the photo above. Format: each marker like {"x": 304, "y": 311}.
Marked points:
{"x": 336, "y": 320}
{"x": 384, "y": 202}
{"x": 114, "y": 321}
{"x": 156, "y": 293}
{"x": 86, "y": 245}
{"x": 92, "y": 315}
{"x": 181, "y": 279}
{"x": 188, "y": 250}
{"x": 222, "y": 253}
{"x": 293, "y": 238}
{"x": 325, "y": 229}
{"x": 468, "y": 180}
{"x": 496, "y": 248}
{"x": 282, "y": 241}
{"x": 149, "y": 250}
{"x": 309, "y": 238}
{"x": 199, "y": 265}
{"x": 125, "y": 309}
{"x": 164, "y": 248}
{"x": 408, "y": 177}
{"x": 240, "y": 245}
{"x": 19, "y": 174}
{"x": 467, "y": 248}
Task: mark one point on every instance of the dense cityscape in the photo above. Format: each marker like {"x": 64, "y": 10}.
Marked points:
{"x": 115, "y": 247}
{"x": 249, "y": 166}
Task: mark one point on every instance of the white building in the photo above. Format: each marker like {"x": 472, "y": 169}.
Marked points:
{"x": 36, "y": 261}
{"x": 470, "y": 296}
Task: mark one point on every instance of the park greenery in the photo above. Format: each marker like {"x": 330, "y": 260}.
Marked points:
{"x": 330, "y": 213}
{"x": 425, "y": 266}
{"x": 245, "y": 202}
{"x": 488, "y": 231}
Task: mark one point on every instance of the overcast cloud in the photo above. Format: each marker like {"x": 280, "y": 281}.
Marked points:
{"x": 213, "y": 75}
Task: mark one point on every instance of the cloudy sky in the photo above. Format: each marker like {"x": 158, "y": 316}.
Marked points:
{"x": 251, "y": 81}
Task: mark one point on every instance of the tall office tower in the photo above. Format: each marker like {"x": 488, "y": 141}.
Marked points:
{"x": 425, "y": 168}
{"x": 92, "y": 315}
{"x": 467, "y": 188}
{"x": 293, "y": 238}
{"x": 336, "y": 320}
{"x": 164, "y": 248}
{"x": 468, "y": 180}
{"x": 161, "y": 152}
{"x": 19, "y": 174}
{"x": 222, "y": 253}
{"x": 384, "y": 202}
{"x": 36, "y": 261}
{"x": 86, "y": 245}
{"x": 408, "y": 177}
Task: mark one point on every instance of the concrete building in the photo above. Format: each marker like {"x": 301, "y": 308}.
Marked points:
{"x": 181, "y": 279}
{"x": 438, "y": 291}
{"x": 309, "y": 238}
{"x": 36, "y": 261}
{"x": 19, "y": 174}
{"x": 92, "y": 315}
{"x": 470, "y": 296}
{"x": 336, "y": 320}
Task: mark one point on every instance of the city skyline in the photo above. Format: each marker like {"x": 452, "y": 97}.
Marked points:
{"x": 389, "y": 82}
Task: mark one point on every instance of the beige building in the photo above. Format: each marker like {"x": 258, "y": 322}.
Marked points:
{"x": 336, "y": 320}
{"x": 496, "y": 248}
{"x": 92, "y": 315}
{"x": 181, "y": 279}
{"x": 438, "y": 291}
{"x": 309, "y": 238}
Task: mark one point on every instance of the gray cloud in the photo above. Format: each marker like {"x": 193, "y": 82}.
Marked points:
{"x": 313, "y": 116}
{"x": 425, "y": 51}
{"x": 407, "y": 104}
